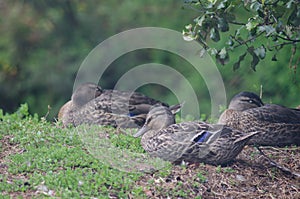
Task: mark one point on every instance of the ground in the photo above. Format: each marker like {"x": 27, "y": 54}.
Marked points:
{"x": 250, "y": 176}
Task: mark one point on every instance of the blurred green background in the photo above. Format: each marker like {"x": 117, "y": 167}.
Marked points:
{"x": 43, "y": 43}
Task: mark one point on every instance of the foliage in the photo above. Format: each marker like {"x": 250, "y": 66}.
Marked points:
{"x": 43, "y": 43}
{"x": 267, "y": 26}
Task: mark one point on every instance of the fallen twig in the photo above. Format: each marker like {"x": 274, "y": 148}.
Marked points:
{"x": 275, "y": 164}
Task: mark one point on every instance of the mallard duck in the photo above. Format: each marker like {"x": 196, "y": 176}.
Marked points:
{"x": 189, "y": 141}
{"x": 278, "y": 125}
{"x": 90, "y": 104}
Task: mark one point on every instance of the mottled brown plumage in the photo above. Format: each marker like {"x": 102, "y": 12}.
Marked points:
{"x": 92, "y": 105}
{"x": 189, "y": 141}
{"x": 277, "y": 125}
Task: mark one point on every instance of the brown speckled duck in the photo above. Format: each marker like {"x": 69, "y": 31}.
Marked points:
{"x": 278, "y": 125}
{"x": 90, "y": 104}
{"x": 189, "y": 141}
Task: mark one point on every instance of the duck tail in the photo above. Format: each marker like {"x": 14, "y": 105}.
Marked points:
{"x": 246, "y": 137}
{"x": 176, "y": 108}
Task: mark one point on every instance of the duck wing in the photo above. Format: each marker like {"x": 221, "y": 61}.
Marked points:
{"x": 275, "y": 114}
{"x": 221, "y": 145}
{"x": 98, "y": 111}
{"x": 181, "y": 141}
{"x": 131, "y": 103}
{"x": 133, "y": 98}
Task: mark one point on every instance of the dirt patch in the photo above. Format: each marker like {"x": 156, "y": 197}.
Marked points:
{"x": 250, "y": 176}
{"x": 7, "y": 149}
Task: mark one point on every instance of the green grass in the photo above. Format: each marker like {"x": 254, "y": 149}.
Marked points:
{"x": 71, "y": 162}
{"x": 40, "y": 159}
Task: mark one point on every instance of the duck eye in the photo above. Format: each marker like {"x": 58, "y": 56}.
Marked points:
{"x": 251, "y": 101}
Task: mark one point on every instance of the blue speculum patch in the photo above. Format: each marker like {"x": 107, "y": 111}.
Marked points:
{"x": 202, "y": 137}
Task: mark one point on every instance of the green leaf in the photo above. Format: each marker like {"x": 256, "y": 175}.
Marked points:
{"x": 223, "y": 25}
{"x": 268, "y": 29}
{"x": 261, "y": 13}
{"x": 222, "y": 57}
{"x": 254, "y": 62}
{"x": 201, "y": 20}
{"x": 279, "y": 27}
{"x": 221, "y": 5}
{"x": 188, "y": 36}
{"x": 294, "y": 18}
{"x": 223, "y": 53}
{"x": 289, "y": 4}
{"x": 238, "y": 31}
{"x": 255, "y": 58}
{"x": 230, "y": 17}
{"x": 286, "y": 15}
{"x": 189, "y": 27}
{"x": 274, "y": 58}
{"x": 237, "y": 64}
{"x": 230, "y": 42}
{"x": 255, "y": 6}
{"x": 202, "y": 52}
{"x": 251, "y": 25}
{"x": 260, "y": 52}
{"x": 213, "y": 51}
{"x": 214, "y": 35}
{"x": 212, "y": 1}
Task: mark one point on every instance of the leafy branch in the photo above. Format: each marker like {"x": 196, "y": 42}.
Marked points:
{"x": 275, "y": 23}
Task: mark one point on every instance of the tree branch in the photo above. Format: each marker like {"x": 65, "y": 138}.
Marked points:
{"x": 246, "y": 41}
{"x": 288, "y": 39}
{"x": 193, "y": 8}
{"x": 281, "y": 44}
{"x": 275, "y": 164}
{"x": 237, "y": 23}
{"x": 269, "y": 4}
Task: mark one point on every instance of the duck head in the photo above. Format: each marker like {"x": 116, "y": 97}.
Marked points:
{"x": 159, "y": 117}
{"x": 245, "y": 100}
{"x": 85, "y": 93}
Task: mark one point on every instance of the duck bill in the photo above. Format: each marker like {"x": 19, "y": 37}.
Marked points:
{"x": 141, "y": 132}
